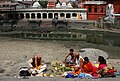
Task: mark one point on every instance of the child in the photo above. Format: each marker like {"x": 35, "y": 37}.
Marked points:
{"x": 70, "y": 61}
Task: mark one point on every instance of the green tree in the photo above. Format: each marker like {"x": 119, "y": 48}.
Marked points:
{"x": 74, "y": 5}
{"x": 58, "y": 1}
{"x": 43, "y": 3}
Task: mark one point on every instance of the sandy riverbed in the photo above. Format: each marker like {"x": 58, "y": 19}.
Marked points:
{"x": 15, "y": 53}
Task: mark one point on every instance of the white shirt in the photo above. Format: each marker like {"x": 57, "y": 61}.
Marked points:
{"x": 78, "y": 61}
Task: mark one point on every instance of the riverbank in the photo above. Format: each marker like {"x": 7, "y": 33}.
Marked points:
{"x": 15, "y": 52}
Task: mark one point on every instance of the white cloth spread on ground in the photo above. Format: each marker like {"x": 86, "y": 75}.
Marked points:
{"x": 42, "y": 68}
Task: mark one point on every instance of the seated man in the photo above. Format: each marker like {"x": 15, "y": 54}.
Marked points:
{"x": 36, "y": 66}
{"x": 70, "y": 61}
{"x": 78, "y": 60}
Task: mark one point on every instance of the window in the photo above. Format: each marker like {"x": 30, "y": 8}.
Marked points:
{"x": 38, "y": 15}
{"x": 7, "y": 5}
{"x": 56, "y": 15}
{"x": 102, "y": 10}
{"x": 21, "y": 15}
{"x": 3, "y": 5}
{"x": 95, "y": 10}
{"x": 44, "y": 15}
{"x": 27, "y": 15}
{"x": 62, "y": 15}
{"x": 50, "y": 15}
{"x": 90, "y": 9}
{"x": 27, "y": 6}
{"x": 119, "y": 10}
{"x": 68, "y": 15}
{"x": 33, "y": 15}
{"x": 74, "y": 15}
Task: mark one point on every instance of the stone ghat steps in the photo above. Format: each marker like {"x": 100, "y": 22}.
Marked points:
{"x": 46, "y": 36}
{"x": 46, "y": 24}
{"x": 22, "y": 23}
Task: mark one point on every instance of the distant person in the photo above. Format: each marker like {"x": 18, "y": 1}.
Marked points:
{"x": 102, "y": 62}
{"x": 87, "y": 66}
{"x": 102, "y": 68}
{"x": 78, "y": 60}
{"x": 70, "y": 58}
{"x": 36, "y": 66}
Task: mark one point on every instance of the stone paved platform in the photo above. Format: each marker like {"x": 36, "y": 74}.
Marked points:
{"x": 58, "y": 79}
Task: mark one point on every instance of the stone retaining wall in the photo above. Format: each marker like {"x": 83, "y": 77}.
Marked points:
{"x": 46, "y": 36}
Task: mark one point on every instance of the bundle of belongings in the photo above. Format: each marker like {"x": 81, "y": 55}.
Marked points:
{"x": 24, "y": 72}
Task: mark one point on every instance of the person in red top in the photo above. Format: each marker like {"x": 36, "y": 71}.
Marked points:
{"x": 87, "y": 66}
{"x": 102, "y": 62}
{"x": 102, "y": 68}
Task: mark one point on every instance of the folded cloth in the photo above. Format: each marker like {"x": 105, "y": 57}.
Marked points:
{"x": 84, "y": 75}
{"x": 81, "y": 75}
{"x": 88, "y": 75}
{"x": 70, "y": 76}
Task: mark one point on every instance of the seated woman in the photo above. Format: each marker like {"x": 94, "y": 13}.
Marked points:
{"x": 87, "y": 67}
{"x": 36, "y": 66}
{"x": 102, "y": 68}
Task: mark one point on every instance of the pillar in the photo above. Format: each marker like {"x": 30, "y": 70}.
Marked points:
{"x": 24, "y": 15}
{"x": 35, "y": 15}
{"x": 41, "y": 15}
{"x": 47, "y": 15}
{"x": 30, "y": 15}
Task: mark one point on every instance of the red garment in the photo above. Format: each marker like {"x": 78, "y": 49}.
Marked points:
{"x": 111, "y": 71}
{"x": 101, "y": 66}
{"x": 77, "y": 72}
{"x": 88, "y": 68}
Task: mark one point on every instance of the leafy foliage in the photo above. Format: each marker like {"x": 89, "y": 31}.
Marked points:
{"x": 43, "y": 3}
